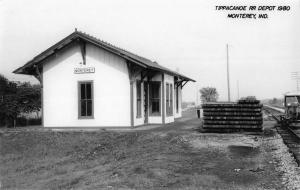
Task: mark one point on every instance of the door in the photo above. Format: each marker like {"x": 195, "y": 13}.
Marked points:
{"x": 146, "y": 102}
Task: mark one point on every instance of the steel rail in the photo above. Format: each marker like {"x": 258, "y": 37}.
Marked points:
{"x": 268, "y": 108}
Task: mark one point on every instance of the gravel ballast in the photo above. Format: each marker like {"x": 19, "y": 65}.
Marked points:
{"x": 286, "y": 163}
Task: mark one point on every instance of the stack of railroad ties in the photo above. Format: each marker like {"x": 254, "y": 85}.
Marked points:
{"x": 246, "y": 115}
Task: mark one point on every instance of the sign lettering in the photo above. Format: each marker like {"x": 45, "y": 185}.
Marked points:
{"x": 84, "y": 70}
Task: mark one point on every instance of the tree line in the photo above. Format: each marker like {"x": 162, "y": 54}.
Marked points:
{"x": 17, "y": 98}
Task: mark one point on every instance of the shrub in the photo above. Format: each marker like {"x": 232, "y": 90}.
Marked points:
{"x": 23, "y": 121}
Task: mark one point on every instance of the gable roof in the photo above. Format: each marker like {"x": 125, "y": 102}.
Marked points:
{"x": 141, "y": 61}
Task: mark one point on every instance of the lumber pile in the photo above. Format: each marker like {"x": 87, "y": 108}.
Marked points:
{"x": 245, "y": 114}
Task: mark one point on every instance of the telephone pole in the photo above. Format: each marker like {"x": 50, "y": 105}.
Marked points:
{"x": 296, "y": 76}
{"x": 228, "y": 84}
{"x": 238, "y": 89}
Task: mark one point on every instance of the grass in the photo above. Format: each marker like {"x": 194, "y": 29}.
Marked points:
{"x": 49, "y": 155}
{"x": 153, "y": 159}
{"x": 62, "y": 160}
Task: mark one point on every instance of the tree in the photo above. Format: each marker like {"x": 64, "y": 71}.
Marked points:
{"x": 29, "y": 97}
{"x": 209, "y": 94}
{"x": 16, "y": 98}
{"x": 8, "y": 103}
{"x": 274, "y": 101}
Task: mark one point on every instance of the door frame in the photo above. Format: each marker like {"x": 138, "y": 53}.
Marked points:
{"x": 146, "y": 102}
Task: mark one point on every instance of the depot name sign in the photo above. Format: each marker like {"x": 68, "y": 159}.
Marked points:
{"x": 84, "y": 70}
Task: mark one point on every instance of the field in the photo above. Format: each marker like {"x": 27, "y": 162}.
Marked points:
{"x": 175, "y": 156}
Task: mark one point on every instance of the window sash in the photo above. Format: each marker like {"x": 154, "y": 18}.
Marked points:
{"x": 154, "y": 102}
{"x": 138, "y": 99}
{"x": 85, "y": 100}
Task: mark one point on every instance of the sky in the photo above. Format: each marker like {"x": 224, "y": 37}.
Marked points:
{"x": 189, "y": 35}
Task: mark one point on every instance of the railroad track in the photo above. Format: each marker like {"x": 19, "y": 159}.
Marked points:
{"x": 290, "y": 136}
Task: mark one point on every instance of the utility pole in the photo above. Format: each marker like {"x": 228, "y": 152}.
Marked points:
{"x": 197, "y": 97}
{"x": 228, "y": 84}
{"x": 238, "y": 90}
{"x": 296, "y": 76}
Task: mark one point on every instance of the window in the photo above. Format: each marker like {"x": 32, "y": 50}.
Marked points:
{"x": 138, "y": 99}
{"x": 169, "y": 99}
{"x": 154, "y": 98}
{"x": 177, "y": 100}
{"x": 85, "y": 107}
{"x": 289, "y": 100}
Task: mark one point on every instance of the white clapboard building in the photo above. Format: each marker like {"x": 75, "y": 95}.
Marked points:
{"x": 87, "y": 82}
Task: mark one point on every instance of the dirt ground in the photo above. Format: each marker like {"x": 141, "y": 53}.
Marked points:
{"x": 175, "y": 156}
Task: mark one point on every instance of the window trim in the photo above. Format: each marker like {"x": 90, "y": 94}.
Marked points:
{"x": 157, "y": 114}
{"x": 138, "y": 115}
{"x": 79, "y": 99}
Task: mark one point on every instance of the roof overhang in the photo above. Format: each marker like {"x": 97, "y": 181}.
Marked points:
{"x": 29, "y": 67}
{"x": 292, "y": 94}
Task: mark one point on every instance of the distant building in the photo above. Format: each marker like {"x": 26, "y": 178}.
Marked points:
{"x": 87, "y": 82}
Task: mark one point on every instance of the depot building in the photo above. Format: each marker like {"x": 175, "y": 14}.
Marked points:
{"x": 87, "y": 82}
